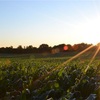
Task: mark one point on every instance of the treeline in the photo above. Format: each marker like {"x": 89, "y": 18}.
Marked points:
{"x": 45, "y": 48}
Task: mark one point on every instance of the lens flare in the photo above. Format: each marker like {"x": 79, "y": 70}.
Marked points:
{"x": 77, "y": 55}
{"x": 75, "y": 47}
{"x": 65, "y": 48}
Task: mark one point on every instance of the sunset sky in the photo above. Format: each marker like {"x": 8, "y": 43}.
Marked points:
{"x": 33, "y": 22}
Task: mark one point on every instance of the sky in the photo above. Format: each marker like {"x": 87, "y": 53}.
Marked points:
{"x": 53, "y": 22}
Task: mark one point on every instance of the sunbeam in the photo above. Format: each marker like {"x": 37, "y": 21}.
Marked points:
{"x": 92, "y": 58}
{"x": 88, "y": 66}
{"x": 60, "y": 66}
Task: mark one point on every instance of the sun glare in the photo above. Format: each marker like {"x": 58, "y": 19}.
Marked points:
{"x": 88, "y": 30}
{"x": 94, "y": 29}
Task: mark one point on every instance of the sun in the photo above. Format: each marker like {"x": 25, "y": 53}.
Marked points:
{"x": 94, "y": 29}
{"x": 89, "y": 30}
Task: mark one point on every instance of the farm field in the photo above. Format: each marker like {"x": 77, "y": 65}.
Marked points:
{"x": 49, "y": 78}
{"x": 49, "y": 49}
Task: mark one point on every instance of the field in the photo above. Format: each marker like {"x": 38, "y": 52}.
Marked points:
{"x": 49, "y": 78}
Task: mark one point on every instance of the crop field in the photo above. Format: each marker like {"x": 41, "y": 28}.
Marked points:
{"x": 51, "y": 78}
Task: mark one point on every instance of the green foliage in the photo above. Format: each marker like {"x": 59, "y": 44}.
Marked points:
{"x": 34, "y": 79}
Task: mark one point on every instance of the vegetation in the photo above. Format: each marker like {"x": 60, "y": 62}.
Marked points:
{"x": 49, "y": 79}
{"x": 46, "y": 49}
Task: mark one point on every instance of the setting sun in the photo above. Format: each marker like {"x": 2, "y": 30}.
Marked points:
{"x": 94, "y": 30}
{"x": 88, "y": 30}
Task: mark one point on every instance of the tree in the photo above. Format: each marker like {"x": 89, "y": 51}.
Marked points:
{"x": 19, "y": 47}
{"x": 44, "y": 48}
